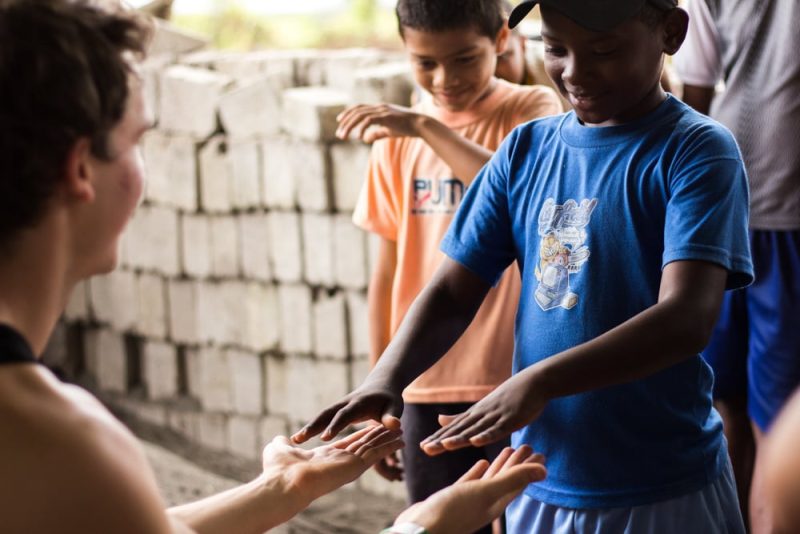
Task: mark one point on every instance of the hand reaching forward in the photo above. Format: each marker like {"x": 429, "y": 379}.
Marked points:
{"x": 514, "y": 404}
{"x": 479, "y": 496}
{"x": 372, "y": 122}
{"x": 316, "y": 472}
{"x": 367, "y": 403}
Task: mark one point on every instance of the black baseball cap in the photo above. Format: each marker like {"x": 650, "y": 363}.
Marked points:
{"x": 597, "y": 15}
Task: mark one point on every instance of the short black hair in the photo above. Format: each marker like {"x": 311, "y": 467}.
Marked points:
{"x": 485, "y": 16}
{"x": 64, "y": 74}
{"x": 651, "y": 14}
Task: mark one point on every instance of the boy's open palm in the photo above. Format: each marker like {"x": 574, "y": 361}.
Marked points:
{"x": 372, "y": 122}
{"x": 511, "y": 406}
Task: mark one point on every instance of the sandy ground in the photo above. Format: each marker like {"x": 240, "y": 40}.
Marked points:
{"x": 186, "y": 472}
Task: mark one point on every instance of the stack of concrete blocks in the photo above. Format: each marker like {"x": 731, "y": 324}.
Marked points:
{"x": 238, "y": 309}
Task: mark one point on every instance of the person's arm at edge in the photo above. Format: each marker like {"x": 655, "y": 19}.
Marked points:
{"x": 678, "y": 326}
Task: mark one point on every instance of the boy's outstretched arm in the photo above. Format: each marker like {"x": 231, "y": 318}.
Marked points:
{"x": 434, "y": 322}
{"x": 678, "y": 326}
{"x": 372, "y": 122}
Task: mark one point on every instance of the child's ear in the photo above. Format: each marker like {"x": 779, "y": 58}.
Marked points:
{"x": 676, "y": 23}
{"x": 78, "y": 171}
{"x": 501, "y": 41}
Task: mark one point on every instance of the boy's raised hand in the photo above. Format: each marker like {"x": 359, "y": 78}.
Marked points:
{"x": 372, "y": 122}
{"x": 367, "y": 403}
{"x": 514, "y": 404}
{"x": 480, "y": 495}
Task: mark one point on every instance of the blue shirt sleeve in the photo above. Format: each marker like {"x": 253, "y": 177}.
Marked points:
{"x": 480, "y": 236}
{"x": 707, "y": 212}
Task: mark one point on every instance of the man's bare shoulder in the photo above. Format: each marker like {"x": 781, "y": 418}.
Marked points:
{"x": 67, "y": 464}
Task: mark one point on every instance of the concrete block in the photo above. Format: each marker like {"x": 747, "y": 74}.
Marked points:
{"x": 278, "y": 189}
{"x": 253, "y": 108}
{"x": 216, "y": 190}
{"x": 194, "y": 375}
{"x": 152, "y": 309}
{"x": 189, "y": 99}
{"x": 295, "y": 319}
{"x": 171, "y": 167}
{"x": 244, "y": 162}
{"x": 254, "y": 243}
{"x": 318, "y": 248}
{"x": 246, "y": 382}
{"x": 359, "y": 369}
{"x": 106, "y": 359}
{"x": 285, "y": 246}
{"x": 114, "y": 299}
{"x": 154, "y": 414}
{"x": 310, "y": 112}
{"x": 314, "y": 385}
{"x": 215, "y": 382}
{"x": 78, "y": 304}
{"x": 184, "y": 422}
{"x": 167, "y": 39}
{"x": 219, "y": 311}
{"x": 183, "y": 323}
{"x": 196, "y": 245}
{"x": 277, "y": 65}
{"x": 276, "y": 385}
{"x": 310, "y": 172}
{"x": 153, "y": 240}
{"x": 330, "y": 327}
{"x": 358, "y": 323}
{"x": 224, "y": 246}
{"x": 261, "y": 317}
{"x": 350, "y": 253}
{"x": 309, "y": 67}
{"x": 150, "y": 71}
{"x": 243, "y": 437}
{"x": 391, "y": 83}
{"x": 349, "y": 163}
{"x": 342, "y": 66}
{"x": 213, "y": 430}
{"x": 160, "y": 370}
{"x": 271, "y": 427}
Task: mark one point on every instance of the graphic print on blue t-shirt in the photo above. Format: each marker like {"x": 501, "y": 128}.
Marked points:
{"x": 561, "y": 251}
{"x": 436, "y": 195}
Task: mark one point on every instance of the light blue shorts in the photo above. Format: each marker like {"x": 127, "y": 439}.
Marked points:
{"x": 711, "y": 510}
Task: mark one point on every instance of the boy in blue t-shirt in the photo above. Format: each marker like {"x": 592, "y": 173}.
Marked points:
{"x": 628, "y": 219}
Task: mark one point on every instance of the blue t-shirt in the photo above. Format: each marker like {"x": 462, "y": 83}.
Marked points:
{"x": 592, "y": 216}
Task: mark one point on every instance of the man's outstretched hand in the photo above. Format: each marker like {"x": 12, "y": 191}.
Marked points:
{"x": 318, "y": 471}
{"x": 479, "y": 496}
{"x": 364, "y": 404}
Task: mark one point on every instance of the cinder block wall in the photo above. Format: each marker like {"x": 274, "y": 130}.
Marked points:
{"x": 239, "y": 306}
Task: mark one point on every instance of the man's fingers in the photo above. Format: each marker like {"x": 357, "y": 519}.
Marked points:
{"x": 455, "y": 422}
{"x": 355, "y": 436}
{"x": 475, "y": 472}
{"x": 372, "y": 452}
{"x": 317, "y": 425}
{"x": 505, "y": 486}
{"x": 499, "y": 462}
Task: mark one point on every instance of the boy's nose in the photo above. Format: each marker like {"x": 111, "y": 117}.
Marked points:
{"x": 445, "y": 79}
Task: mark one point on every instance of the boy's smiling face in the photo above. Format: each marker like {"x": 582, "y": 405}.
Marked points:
{"x": 612, "y": 77}
{"x": 455, "y": 66}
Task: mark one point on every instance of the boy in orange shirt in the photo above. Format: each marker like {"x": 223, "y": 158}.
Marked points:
{"x": 420, "y": 168}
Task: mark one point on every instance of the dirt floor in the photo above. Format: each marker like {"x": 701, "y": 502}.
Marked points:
{"x": 187, "y": 472}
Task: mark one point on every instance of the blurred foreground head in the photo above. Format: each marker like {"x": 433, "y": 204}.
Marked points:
{"x": 65, "y": 76}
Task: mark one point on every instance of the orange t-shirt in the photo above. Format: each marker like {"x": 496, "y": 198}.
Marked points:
{"x": 410, "y": 197}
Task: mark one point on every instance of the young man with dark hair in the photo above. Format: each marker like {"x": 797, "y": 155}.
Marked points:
{"x": 73, "y": 113}
{"x": 424, "y": 160}
{"x": 628, "y": 219}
